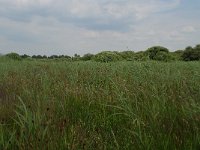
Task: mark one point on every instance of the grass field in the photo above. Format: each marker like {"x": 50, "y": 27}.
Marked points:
{"x": 90, "y": 105}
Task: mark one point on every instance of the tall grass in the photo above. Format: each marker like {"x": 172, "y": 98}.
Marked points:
{"x": 90, "y": 105}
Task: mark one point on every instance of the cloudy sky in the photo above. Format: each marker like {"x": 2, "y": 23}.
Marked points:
{"x": 89, "y": 26}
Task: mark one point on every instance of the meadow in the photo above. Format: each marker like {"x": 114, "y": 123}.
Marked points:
{"x": 49, "y": 104}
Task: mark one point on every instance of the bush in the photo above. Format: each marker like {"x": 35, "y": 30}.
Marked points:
{"x": 67, "y": 57}
{"x": 24, "y": 56}
{"x": 127, "y": 55}
{"x": 14, "y": 56}
{"x": 107, "y": 56}
{"x": 162, "y": 56}
{"x": 177, "y": 55}
{"x": 191, "y": 54}
{"x": 76, "y": 57}
{"x": 158, "y": 53}
{"x": 37, "y": 56}
{"x": 87, "y": 57}
{"x": 141, "y": 56}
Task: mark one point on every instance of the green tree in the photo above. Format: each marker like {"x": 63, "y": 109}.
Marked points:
{"x": 37, "y": 56}
{"x": 141, "y": 56}
{"x": 67, "y": 57}
{"x": 44, "y": 57}
{"x": 14, "y": 56}
{"x": 87, "y": 57}
{"x": 191, "y": 54}
{"x": 24, "y": 56}
{"x": 157, "y": 53}
{"x": 76, "y": 57}
{"x": 127, "y": 55}
{"x": 53, "y": 56}
{"x": 107, "y": 56}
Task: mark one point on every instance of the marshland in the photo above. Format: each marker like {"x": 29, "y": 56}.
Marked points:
{"x": 76, "y": 104}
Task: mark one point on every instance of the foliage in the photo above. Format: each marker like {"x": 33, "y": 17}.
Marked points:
{"x": 38, "y": 56}
{"x": 67, "y": 57}
{"x": 191, "y": 54}
{"x": 177, "y": 54}
{"x": 87, "y": 57}
{"x": 107, "y": 56}
{"x": 163, "y": 56}
{"x": 76, "y": 57}
{"x": 59, "y": 56}
{"x": 14, "y": 56}
{"x": 25, "y": 56}
{"x": 158, "y": 53}
{"x": 141, "y": 56}
{"x": 127, "y": 55}
{"x": 51, "y": 57}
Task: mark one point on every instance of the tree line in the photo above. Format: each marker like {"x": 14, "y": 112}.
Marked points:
{"x": 157, "y": 53}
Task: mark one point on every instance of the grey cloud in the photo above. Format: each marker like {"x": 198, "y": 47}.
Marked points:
{"x": 95, "y": 15}
{"x": 82, "y": 26}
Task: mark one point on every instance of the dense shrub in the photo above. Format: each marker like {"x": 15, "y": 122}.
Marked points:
{"x": 76, "y": 57}
{"x": 161, "y": 56}
{"x": 191, "y": 54}
{"x": 107, "y": 56}
{"x": 67, "y": 57}
{"x": 59, "y": 57}
{"x": 127, "y": 55}
{"x": 177, "y": 54}
{"x": 37, "y": 56}
{"x": 141, "y": 56}
{"x": 87, "y": 57}
{"x": 14, "y": 56}
{"x": 53, "y": 56}
{"x": 24, "y": 56}
{"x": 158, "y": 53}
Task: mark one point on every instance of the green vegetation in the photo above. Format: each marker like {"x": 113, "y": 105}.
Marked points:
{"x": 191, "y": 54}
{"x": 107, "y": 56}
{"x": 14, "y": 56}
{"x": 90, "y": 105}
{"x": 128, "y": 55}
{"x": 87, "y": 57}
{"x": 156, "y": 53}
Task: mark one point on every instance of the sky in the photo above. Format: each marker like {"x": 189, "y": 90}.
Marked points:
{"x": 47, "y": 27}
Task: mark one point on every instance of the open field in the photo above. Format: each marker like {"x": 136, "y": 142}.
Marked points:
{"x": 91, "y": 105}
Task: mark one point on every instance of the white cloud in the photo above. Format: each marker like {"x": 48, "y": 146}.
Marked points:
{"x": 86, "y": 8}
{"x": 24, "y": 3}
{"x": 120, "y": 9}
{"x": 60, "y": 26}
{"x": 188, "y": 29}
